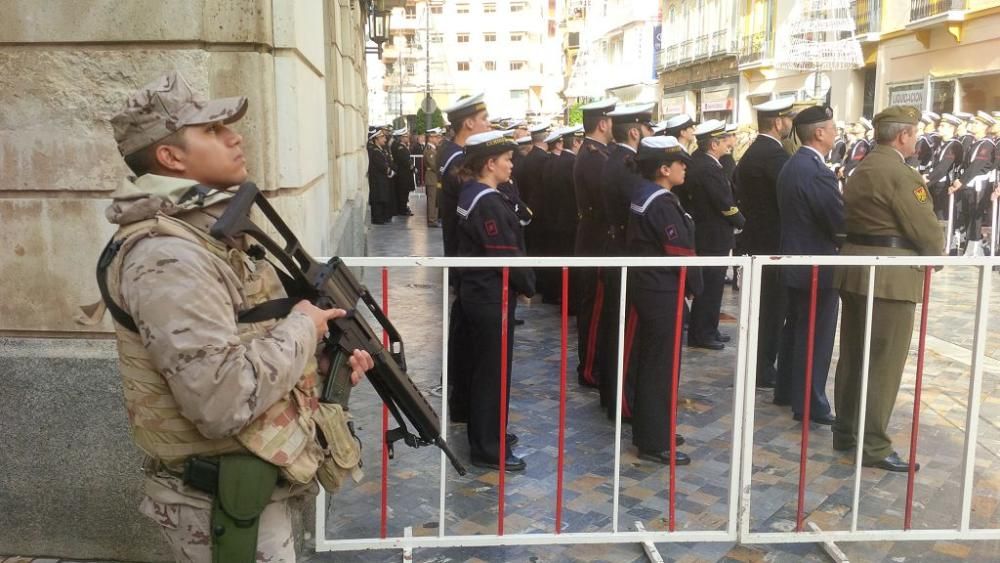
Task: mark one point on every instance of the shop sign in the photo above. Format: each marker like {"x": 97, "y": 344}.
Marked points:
{"x": 717, "y": 100}
{"x": 908, "y": 95}
{"x": 673, "y": 105}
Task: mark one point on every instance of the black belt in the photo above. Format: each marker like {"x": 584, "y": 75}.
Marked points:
{"x": 888, "y": 241}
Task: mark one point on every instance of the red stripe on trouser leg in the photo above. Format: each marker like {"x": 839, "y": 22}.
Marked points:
{"x": 630, "y": 327}
{"x": 595, "y": 320}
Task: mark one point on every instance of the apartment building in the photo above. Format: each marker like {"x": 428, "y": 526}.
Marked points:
{"x": 508, "y": 49}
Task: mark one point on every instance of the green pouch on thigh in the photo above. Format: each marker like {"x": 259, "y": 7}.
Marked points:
{"x": 245, "y": 486}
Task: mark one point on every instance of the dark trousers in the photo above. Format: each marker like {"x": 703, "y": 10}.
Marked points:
{"x": 607, "y": 345}
{"x": 707, "y": 305}
{"x": 590, "y": 290}
{"x": 380, "y": 212}
{"x": 657, "y": 313}
{"x": 774, "y": 304}
{"x": 892, "y": 330}
{"x": 795, "y": 340}
{"x": 483, "y": 327}
{"x": 459, "y": 363}
{"x": 403, "y": 190}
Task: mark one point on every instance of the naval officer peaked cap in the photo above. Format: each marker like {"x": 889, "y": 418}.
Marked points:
{"x": 636, "y": 113}
{"x": 664, "y": 149}
{"x": 781, "y": 107}
{"x": 399, "y": 132}
{"x": 599, "y": 108}
{"x": 572, "y": 131}
{"x": 709, "y": 129}
{"x": 539, "y": 128}
{"x": 464, "y": 107}
{"x": 679, "y": 121}
{"x": 525, "y": 140}
{"x": 951, "y": 119}
{"x": 488, "y": 144}
{"x": 554, "y": 136}
{"x": 963, "y": 115}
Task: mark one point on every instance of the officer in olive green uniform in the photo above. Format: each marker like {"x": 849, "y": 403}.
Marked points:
{"x": 888, "y": 211}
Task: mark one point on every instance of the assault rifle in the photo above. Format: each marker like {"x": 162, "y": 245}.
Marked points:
{"x": 327, "y": 286}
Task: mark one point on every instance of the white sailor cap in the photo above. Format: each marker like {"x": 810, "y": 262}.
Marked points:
{"x": 399, "y": 132}
{"x": 525, "y": 140}
{"x": 731, "y": 128}
{"x": 539, "y": 128}
{"x": 634, "y": 113}
{"x": 374, "y": 133}
{"x": 599, "y": 108}
{"x": 464, "y": 107}
{"x": 554, "y": 136}
{"x": 950, "y": 119}
{"x": 663, "y": 148}
{"x": 678, "y": 122}
{"x": 865, "y": 122}
{"x": 840, "y": 124}
{"x": 516, "y": 123}
{"x": 435, "y": 131}
{"x": 930, "y": 117}
{"x": 963, "y": 115}
{"x": 572, "y": 131}
{"x": 985, "y": 118}
{"x": 488, "y": 143}
{"x": 710, "y": 128}
{"x": 780, "y": 107}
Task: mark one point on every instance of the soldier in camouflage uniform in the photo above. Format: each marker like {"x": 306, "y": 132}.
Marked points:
{"x": 197, "y": 382}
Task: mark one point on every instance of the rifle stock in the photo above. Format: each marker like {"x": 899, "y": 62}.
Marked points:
{"x": 333, "y": 285}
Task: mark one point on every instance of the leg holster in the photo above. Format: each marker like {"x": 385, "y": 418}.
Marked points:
{"x": 242, "y": 485}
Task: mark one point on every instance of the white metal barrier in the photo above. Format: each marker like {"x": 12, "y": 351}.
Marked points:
{"x": 738, "y": 526}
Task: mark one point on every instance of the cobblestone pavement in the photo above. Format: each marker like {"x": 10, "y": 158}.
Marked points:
{"x": 705, "y": 418}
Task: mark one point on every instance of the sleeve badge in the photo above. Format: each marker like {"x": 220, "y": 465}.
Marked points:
{"x": 671, "y": 232}
{"x": 921, "y": 194}
{"x": 491, "y": 228}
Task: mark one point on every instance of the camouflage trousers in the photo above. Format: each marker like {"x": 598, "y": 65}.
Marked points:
{"x": 188, "y": 532}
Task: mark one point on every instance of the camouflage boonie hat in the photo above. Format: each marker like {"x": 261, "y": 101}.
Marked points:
{"x": 164, "y": 106}
{"x": 899, "y": 114}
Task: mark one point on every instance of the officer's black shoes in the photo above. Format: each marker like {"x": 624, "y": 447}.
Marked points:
{"x": 584, "y": 383}
{"x": 825, "y": 420}
{"x": 664, "y": 457}
{"x": 722, "y": 337}
{"x": 512, "y": 440}
{"x": 891, "y": 462}
{"x": 714, "y": 345}
{"x": 680, "y": 440}
{"x": 781, "y": 401}
{"x": 512, "y": 463}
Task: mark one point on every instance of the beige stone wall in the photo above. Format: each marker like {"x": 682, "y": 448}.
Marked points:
{"x": 66, "y": 67}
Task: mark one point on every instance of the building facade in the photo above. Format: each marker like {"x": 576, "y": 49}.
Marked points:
{"x": 509, "y": 49}
{"x": 940, "y": 55}
{"x": 66, "y": 69}
{"x": 618, "y": 43}
{"x": 697, "y": 63}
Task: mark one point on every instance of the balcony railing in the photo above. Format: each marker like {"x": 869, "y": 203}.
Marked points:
{"x": 754, "y": 48}
{"x": 701, "y": 48}
{"x": 920, "y": 9}
{"x": 866, "y": 15}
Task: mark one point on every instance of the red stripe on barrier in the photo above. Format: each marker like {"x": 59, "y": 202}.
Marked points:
{"x": 674, "y": 383}
{"x": 502, "y": 451}
{"x": 630, "y": 327}
{"x": 595, "y": 320}
{"x": 383, "y": 521}
{"x": 918, "y": 384}
{"x": 562, "y": 396}
{"x": 807, "y": 397}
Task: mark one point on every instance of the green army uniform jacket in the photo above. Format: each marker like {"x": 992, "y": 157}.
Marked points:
{"x": 885, "y": 197}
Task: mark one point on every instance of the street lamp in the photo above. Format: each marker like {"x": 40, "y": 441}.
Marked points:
{"x": 378, "y": 24}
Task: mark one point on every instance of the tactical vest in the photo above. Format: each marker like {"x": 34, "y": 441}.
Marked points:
{"x": 285, "y": 435}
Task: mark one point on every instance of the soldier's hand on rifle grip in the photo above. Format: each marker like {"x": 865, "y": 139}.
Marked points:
{"x": 320, "y": 317}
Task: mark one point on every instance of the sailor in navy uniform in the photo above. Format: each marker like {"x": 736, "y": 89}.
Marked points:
{"x": 926, "y": 142}
{"x": 756, "y": 179}
{"x": 591, "y": 234}
{"x": 380, "y": 189}
{"x": 716, "y": 216}
{"x": 489, "y": 227}
{"x": 658, "y": 226}
{"x": 812, "y": 224}
{"x": 467, "y": 117}
{"x": 630, "y": 124}
{"x": 839, "y": 151}
{"x": 946, "y": 164}
{"x": 404, "y": 183}
{"x": 975, "y": 186}
{"x": 560, "y": 200}
{"x": 681, "y": 127}
{"x": 860, "y": 149}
